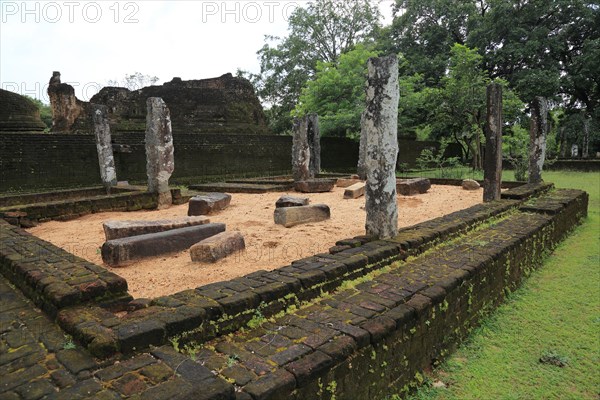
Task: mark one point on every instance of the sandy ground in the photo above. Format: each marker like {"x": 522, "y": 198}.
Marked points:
{"x": 268, "y": 246}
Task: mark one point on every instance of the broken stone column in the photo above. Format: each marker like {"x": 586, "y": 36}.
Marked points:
{"x": 537, "y": 138}
{"x": 103, "y": 144}
{"x": 380, "y": 126}
{"x": 160, "y": 162}
{"x": 306, "y": 148}
{"x": 492, "y": 167}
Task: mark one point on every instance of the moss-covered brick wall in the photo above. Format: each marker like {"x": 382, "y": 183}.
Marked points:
{"x": 359, "y": 322}
{"x": 32, "y": 162}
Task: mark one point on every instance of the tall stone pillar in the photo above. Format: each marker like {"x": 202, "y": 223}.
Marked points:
{"x": 306, "y": 148}
{"x": 361, "y": 170}
{"x": 106, "y": 158}
{"x": 537, "y": 138}
{"x": 314, "y": 143}
{"x": 492, "y": 168}
{"x": 160, "y": 161}
{"x": 379, "y": 127}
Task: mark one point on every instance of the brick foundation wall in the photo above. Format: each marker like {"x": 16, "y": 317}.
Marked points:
{"x": 360, "y": 321}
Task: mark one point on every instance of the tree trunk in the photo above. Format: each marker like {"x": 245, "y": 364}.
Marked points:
{"x": 563, "y": 142}
{"x": 586, "y": 138}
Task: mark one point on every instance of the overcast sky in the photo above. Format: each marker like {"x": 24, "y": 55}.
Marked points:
{"x": 92, "y": 42}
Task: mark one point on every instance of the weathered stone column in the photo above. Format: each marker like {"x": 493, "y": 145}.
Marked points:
{"x": 300, "y": 150}
{"x": 314, "y": 144}
{"x": 361, "y": 170}
{"x": 160, "y": 162}
{"x": 380, "y": 126}
{"x": 537, "y": 138}
{"x": 492, "y": 167}
{"x": 106, "y": 158}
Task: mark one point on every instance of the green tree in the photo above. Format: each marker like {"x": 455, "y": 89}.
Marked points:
{"x": 45, "y": 112}
{"x": 424, "y": 31}
{"x": 319, "y": 32}
{"x": 415, "y": 109}
{"x": 541, "y": 48}
{"x": 337, "y": 93}
{"x": 458, "y": 106}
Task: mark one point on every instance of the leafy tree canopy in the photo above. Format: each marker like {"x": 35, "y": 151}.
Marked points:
{"x": 337, "y": 93}
{"x": 319, "y": 32}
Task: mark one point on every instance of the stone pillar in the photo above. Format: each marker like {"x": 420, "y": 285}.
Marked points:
{"x": 160, "y": 162}
{"x": 537, "y": 138}
{"x": 379, "y": 127}
{"x": 361, "y": 170}
{"x": 314, "y": 144}
{"x": 492, "y": 168}
{"x": 103, "y": 144}
{"x": 300, "y": 151}
{"x": 574, "y": 151}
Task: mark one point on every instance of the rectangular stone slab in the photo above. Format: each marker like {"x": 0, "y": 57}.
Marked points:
{"x": 122, "y": 229}
{"x": 120, "y": 252}
{"x": 217, "y": 247}
{"x": 346, "y": 182}
{"x": 315, "y": 185}
{"x": 292, "y": 216}
{"x": 355, "y": 191}
{"x": 208, "y": 203}
{"x": 291, "y": 201}
{"x": 410, "y": 187}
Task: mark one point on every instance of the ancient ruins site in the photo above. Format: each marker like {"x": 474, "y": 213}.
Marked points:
{"x": 335, "y": 226}
{"x": 268, "y": 246}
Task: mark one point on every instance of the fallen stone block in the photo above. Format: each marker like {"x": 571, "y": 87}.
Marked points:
{"x": 411, "y": 187}
{"x": 208, "y": 203}
{"x": 315, "y": 185}
{"x": 122, "y": 229}
{"x": 355, "y": 191}
{"x": 291, "y": 201}
{"x": 120, "y": 252}
{"x": 292, "y": 216}
{"x": 470, "y": 184}
{"x": 346, "y": 182}
{"x": 217, "y": 247}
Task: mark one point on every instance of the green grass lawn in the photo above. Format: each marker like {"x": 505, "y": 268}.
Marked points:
{"x": 556, "y": 313}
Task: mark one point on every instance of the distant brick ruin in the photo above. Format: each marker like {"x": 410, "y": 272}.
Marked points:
{"x": 19, "y": 114}
{"x": 226, "y": 104}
